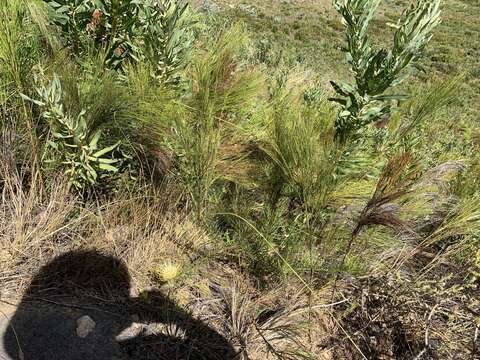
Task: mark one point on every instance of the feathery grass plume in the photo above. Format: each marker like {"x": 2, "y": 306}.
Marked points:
{"x": 154, "y": 105}
{"x": 221, "y": 83}
{"x": 427, "y": 102}
{"x": 395, "y": 182}
{"x": 455, "y": 232}
{"x": 445, "y": 223}
{"x": 300, "y": 146}
{"x": 375, "y": 71}
{"x": 149, "y": 121}
{"x": 222, "y": 90}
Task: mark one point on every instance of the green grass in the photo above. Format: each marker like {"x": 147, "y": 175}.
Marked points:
{"x": 232, "y": 167}
{"x": 311, "y": 35}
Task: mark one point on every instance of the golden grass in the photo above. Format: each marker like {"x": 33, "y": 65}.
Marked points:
{"x": 161, "y": 247}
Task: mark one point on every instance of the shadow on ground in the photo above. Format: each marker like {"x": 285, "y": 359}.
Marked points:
{"x": 56, "y": 320}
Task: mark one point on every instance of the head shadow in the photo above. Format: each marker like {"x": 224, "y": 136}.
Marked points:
{"x": 48, "y": 321}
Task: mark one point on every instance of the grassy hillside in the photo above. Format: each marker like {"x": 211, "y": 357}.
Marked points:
{"x": 205, "y": 149}
{"x": 310, "y": 34}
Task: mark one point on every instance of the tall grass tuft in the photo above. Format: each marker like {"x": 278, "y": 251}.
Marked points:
{"x": 301, "y": 147}
{"x": 20, "y": 48}
{"x": 222, "y": 91}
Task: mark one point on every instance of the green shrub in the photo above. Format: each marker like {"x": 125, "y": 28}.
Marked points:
{"x": 128, "y": 30}
{"x": 112, "y": 25}
{"x": 376, "y": 71}
{"x": 71, "y": 145}
{"x": 222, "y": 90}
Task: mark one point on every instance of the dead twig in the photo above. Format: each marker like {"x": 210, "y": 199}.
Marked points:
{"x": 427, "y": 332}
{"x": 20, "y": 352}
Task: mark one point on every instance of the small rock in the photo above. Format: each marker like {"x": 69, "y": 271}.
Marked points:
{"x": 85, "y": 325}
{"x": 210, "y": 7}
{"x": 133, "y": 292}
{"x": 249, "y": 9}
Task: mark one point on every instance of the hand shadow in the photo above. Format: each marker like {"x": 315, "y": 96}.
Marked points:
{"x": 87, "y": 283}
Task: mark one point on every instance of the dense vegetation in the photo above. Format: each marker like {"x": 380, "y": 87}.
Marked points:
{"x": 330, "y": 207}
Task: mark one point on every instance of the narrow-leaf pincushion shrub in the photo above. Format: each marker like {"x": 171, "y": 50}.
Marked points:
{"x": 167, "y": 38}
{"x": 71, "y": 147}
{"x": 376, "y": 71}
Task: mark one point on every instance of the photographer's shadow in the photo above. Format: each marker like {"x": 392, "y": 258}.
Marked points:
{"x": 78, "y": 307}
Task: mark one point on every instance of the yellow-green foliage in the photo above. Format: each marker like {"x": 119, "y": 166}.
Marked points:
{"x": 228, "y": 159}
{"x": 222, "y": 89}
{"x": 302, "y": 149}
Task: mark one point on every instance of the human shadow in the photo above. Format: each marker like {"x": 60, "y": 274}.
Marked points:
{"x": 47, "y": 323}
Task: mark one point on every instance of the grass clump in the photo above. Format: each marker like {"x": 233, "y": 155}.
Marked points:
{"x": 204, "y": 154}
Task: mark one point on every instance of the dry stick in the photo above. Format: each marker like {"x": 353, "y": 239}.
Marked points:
{"x": 427, "y": 331}
{"x": 320, "y": 306}
{"x": 309, "y": 308}
{"x": 475, "y": 337}
{"x": 20, "y": 352}
{"x": 72, "y": 306}
{"x": 310, "y": 295}
{"x": 36, "y": 172}
{"x": 349, "y": 247}
{"x": 270, "y": 346}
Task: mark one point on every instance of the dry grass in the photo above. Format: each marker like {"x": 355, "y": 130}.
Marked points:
{"x": 403, "y": 318}
{"x": 33, "y": 227}
{"x": 262, "y": 325}
{"x": 144, "y": 230}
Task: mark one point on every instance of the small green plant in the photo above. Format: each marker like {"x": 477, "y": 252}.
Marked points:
{"x": 112, "y": 25}
{"x": 376, "y": 71}
{"x": 71, "y": 146}
{"x": 167, "y": 38}
{"x": 301, "y": 147}
{"x": 222, "y": 91}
